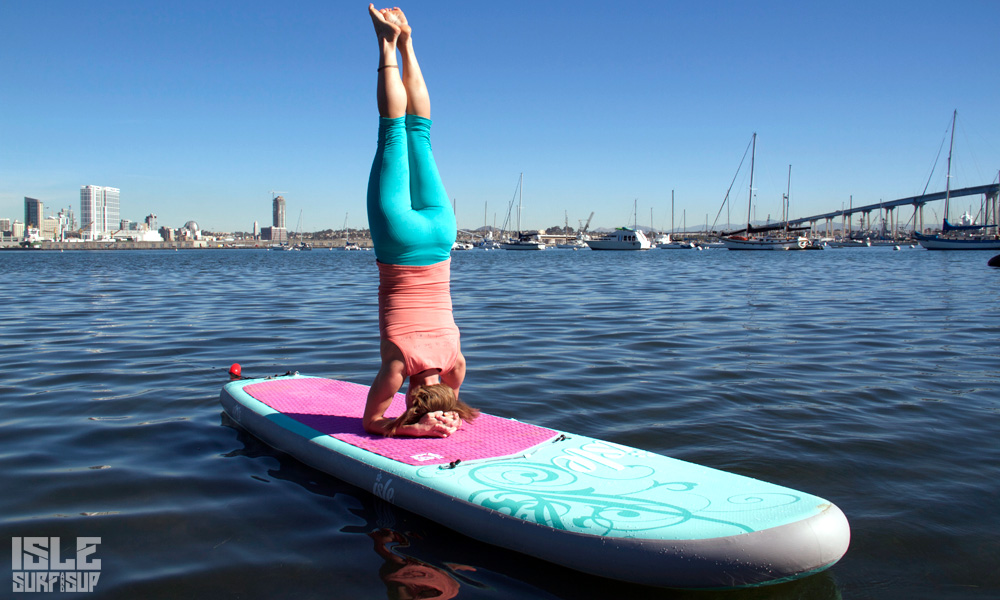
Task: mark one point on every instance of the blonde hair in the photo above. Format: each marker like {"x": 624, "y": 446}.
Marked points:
{"x": 425, "y": 399}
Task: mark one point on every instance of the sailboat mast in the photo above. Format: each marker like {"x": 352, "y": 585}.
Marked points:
{"x": 753, "y": 153}
{"x": 947, "y": 179}
{"x": 520, "y": 190}
{"x": 786, "y": 204}
{"x": 850, "y": 217}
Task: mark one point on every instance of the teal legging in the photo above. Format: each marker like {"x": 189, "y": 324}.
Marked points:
{"x": 409, "y": 215}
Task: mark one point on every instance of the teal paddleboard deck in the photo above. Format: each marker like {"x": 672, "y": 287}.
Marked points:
{"x": 590, "y": 505}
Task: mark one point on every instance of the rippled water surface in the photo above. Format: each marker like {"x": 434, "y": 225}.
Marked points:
{"x": 866, "y": 376}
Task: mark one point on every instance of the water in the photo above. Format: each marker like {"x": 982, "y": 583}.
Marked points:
{"x": 865, "y": 376}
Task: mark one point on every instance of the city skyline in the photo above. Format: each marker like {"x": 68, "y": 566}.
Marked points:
{"x": 875, "y": 215}
{"x": 857, "y": 98}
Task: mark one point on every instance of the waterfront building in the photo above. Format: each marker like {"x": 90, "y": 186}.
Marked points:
{"x": 17, "y": 229}
{"x": 278, "y": 233}
{"x": 5, "y": 226}
{"x": 33, "y": 213}
{"x": 278, "y": 210}
{"x": 99, "y": 211}
{"x": 275, "y": 234}
{"x": 190, "y": 231}
{"x": 51, "y": 229}
{"x": 68, "y": 219}
{"x": 147, "y": 236}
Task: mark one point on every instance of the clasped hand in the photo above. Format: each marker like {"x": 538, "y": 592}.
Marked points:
{"x": 439, "y": 423}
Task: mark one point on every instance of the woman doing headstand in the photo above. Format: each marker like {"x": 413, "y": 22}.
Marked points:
{"x": 413, "y": 228}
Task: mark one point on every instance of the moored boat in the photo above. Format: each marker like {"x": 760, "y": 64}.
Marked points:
{"x": 666, "y": 242}
{"x": 762, "y": 242}
{"x": 623, "y": 238}
{"x": 958, "y": 237}
{"x": 523, "y": 242}
{"x": 739, "y": 242}
{"x": 577, "y": 244}
{"x": 937, "y": 242}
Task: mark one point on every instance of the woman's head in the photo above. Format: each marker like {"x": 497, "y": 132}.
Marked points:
{"x": 424, "y": 399}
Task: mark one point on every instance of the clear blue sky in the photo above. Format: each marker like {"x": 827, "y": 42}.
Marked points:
{"x": 197, "y": 110}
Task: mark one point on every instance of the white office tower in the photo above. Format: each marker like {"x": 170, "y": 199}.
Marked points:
{"x": 99, "y": 211}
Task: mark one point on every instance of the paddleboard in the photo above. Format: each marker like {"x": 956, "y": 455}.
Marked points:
{"x": 591, "y": 505}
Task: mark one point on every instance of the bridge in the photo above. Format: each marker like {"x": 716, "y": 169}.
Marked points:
{"x": 990, "y": 191}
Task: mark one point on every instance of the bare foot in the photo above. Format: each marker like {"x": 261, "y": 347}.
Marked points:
{"x": 396, "y": 16}
{"x": 383, "y": 28}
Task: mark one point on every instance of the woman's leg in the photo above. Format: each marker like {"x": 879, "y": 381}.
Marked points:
{"x": 389, "y": 180}
{"x": 418, "y": 101}
{"x": 390, "y": 91}
{"x": 427, "y": 192}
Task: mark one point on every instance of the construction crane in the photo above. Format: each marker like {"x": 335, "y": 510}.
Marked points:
{"x": 79, "y": 232}
{"x": 583, "y": 229}
{"x": 274, "y": 194}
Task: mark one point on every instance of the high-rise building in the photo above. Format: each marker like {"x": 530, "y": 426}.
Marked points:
{"x": 5, "y": 226}
{"x": 99, "y": 211}
{"x": 279, "y": 212}
{"x": 69, "y": 220}
{"x": 52, "y": 228}
{"x": 33, "y": 213}
{"x": 278, "y": 231}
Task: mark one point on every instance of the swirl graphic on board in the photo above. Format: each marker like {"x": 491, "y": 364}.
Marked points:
{"x": 758, "y": 501}
{"x": 555, "y": 497}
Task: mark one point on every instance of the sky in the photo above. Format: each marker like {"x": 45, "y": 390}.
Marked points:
{"x": 204, "y": 110}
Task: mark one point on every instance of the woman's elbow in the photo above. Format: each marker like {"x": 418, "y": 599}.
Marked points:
{"x": 373, "y": 426}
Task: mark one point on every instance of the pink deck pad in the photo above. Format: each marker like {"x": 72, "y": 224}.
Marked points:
{"x": 335, "y": 408}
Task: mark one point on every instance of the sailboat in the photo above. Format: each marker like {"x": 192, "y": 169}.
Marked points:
{"x": 348, "y": 245}
{"x": 667, "y": 242}
{"x": 761, "y": 242}
{"x": 523, "y": 241}
{"x": 298, "y": 233}
{"x": 958, "y": 237}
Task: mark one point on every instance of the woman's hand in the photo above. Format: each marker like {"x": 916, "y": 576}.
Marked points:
{"x": 439, "y": 424}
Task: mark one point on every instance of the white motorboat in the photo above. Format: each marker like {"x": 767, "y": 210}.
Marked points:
{"x": 579, "y": 243}
{"x": 623, "y": 238}
{"x": 666, "y": 242}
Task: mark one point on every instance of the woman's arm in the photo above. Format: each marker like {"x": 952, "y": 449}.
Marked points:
{"x": 387, "y": 382}
{"x": 456, "y": 375}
